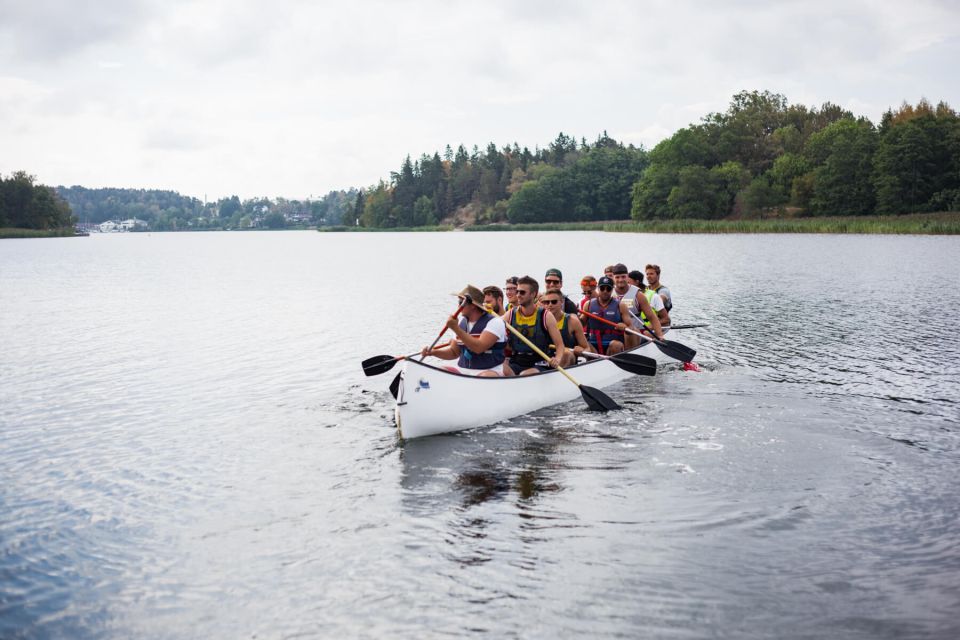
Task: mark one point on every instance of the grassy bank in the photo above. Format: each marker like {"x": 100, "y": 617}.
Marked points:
{"x": 543, "y": 226}
{"x": 14, "y": 232}
{"x": 918, "y": 223}
{"x": 945, "y": 223}
{"x": 344, "y": 228}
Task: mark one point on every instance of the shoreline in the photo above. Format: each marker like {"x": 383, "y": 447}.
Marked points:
{"x": 942, "y": 223}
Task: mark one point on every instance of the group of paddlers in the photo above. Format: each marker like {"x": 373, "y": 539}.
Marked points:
{"x": 519, "y": 330}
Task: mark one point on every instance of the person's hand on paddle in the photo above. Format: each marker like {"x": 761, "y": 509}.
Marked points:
{"x": 426, "y": 351}
{"x": 554, "y": 363}
{"x": 621, "y": 327}
{"x": 453, "y": 323}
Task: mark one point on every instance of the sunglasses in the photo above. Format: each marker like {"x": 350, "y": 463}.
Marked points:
{"x": 606, "y": 288}
{"x": 550, "y": 302}
{"x": 552, "y": 281}
{"x": 522, "y": 292}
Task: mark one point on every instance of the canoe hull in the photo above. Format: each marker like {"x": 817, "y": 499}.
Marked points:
{"x": 431, "y": 400}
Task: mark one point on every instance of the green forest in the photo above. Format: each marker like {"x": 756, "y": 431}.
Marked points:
{"x": 761, "y": 158}
{"x": 170, "y": 211}
{"x": 24, "y": 204}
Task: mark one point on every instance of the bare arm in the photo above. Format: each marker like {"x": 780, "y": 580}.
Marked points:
{"x": 449, "y": 351}
{"x": 556, "y": 338}
{"x": 576, "y": 329}
{"x": 476, "y": 344}
{"x": 650, "y": 314}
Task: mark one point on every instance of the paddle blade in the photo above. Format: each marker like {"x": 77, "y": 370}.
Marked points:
{"x": 677, "y": 351}
{"x": 597, "y": 400}
{"x": 635, "y": 363}
{"x": 395, "y": 387}
{"x": 378, "y": 364}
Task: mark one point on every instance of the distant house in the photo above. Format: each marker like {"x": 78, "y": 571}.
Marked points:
{"x": 130, "y": 224}
{"x": 297, "y": 218}
{"x": 133, "y": 224}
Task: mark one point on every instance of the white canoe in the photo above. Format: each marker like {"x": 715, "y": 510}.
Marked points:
{"x": 432, "y": 400}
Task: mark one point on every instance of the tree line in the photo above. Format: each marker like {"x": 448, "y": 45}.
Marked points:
{"x": 27, "y": 205}
{"x": 761, "y": 157}
{"x": 567, "y": 180}
{"x": 170, "y": 211}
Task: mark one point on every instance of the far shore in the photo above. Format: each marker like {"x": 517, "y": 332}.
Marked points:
{"x": 16, "y": 232}
{"x": 942, "y": 223}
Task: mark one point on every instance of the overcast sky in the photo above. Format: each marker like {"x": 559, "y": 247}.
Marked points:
{"x": 293, "y": 99}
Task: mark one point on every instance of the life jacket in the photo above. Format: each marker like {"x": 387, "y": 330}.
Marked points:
{"x": 563, "y": 326}
{"x": 533, "y": 330}
{"x": 488, "y": 359}
{"x": 668, "y": 303}
{"x": 600, "y": 332}
{"x": 648, "y": 293}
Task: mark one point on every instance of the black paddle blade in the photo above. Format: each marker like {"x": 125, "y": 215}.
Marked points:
{"x": 677, "y": 351}
{"x": 378, "y": 364}
{"x": 597, "y": 400}
{"x": 635, "y": 363}
{"x": 395, "y": 387}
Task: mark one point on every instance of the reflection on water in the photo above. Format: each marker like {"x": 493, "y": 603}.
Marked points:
{"x": 193, "y": 451}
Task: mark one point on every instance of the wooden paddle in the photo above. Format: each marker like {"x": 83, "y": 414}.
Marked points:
{"x": 685, "y": 326}
{"x": 632, "y": 362}
{"x": 595, "y": 399}
{"x": 381, "y": 364}
{"x": 669, "y": 348}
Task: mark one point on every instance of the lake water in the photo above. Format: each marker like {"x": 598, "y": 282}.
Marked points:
{"x": 189, "y": 448}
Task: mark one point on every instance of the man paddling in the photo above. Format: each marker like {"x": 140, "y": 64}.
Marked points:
{"x": 571, "y": 331}
{"x": 656, "y": 303}
{"x": 554, "y": 282}
{"x": 481, "y": 338}
{"x": 653, "y": 283}
{"x": 647, "y": 312}
{"x": 622, "y": 289}
{"x": 602, "y": 337}
{"x": 493, "y": 299}
{"x": 510, "y": 290}
{"x": 538, "y": 327}
{"x": 588, "y": 287}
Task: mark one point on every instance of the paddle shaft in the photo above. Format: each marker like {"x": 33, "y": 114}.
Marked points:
{"x": 537, "y": 350}
{"x": 650, "y": 338}
{"x": 466, "y": 301}
{"x": 613, "y": 324}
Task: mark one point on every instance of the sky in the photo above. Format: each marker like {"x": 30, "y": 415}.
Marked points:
{"x": 294, "y": 99}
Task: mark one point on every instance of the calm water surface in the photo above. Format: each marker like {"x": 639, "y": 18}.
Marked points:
{"x": 188, "y": 446}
